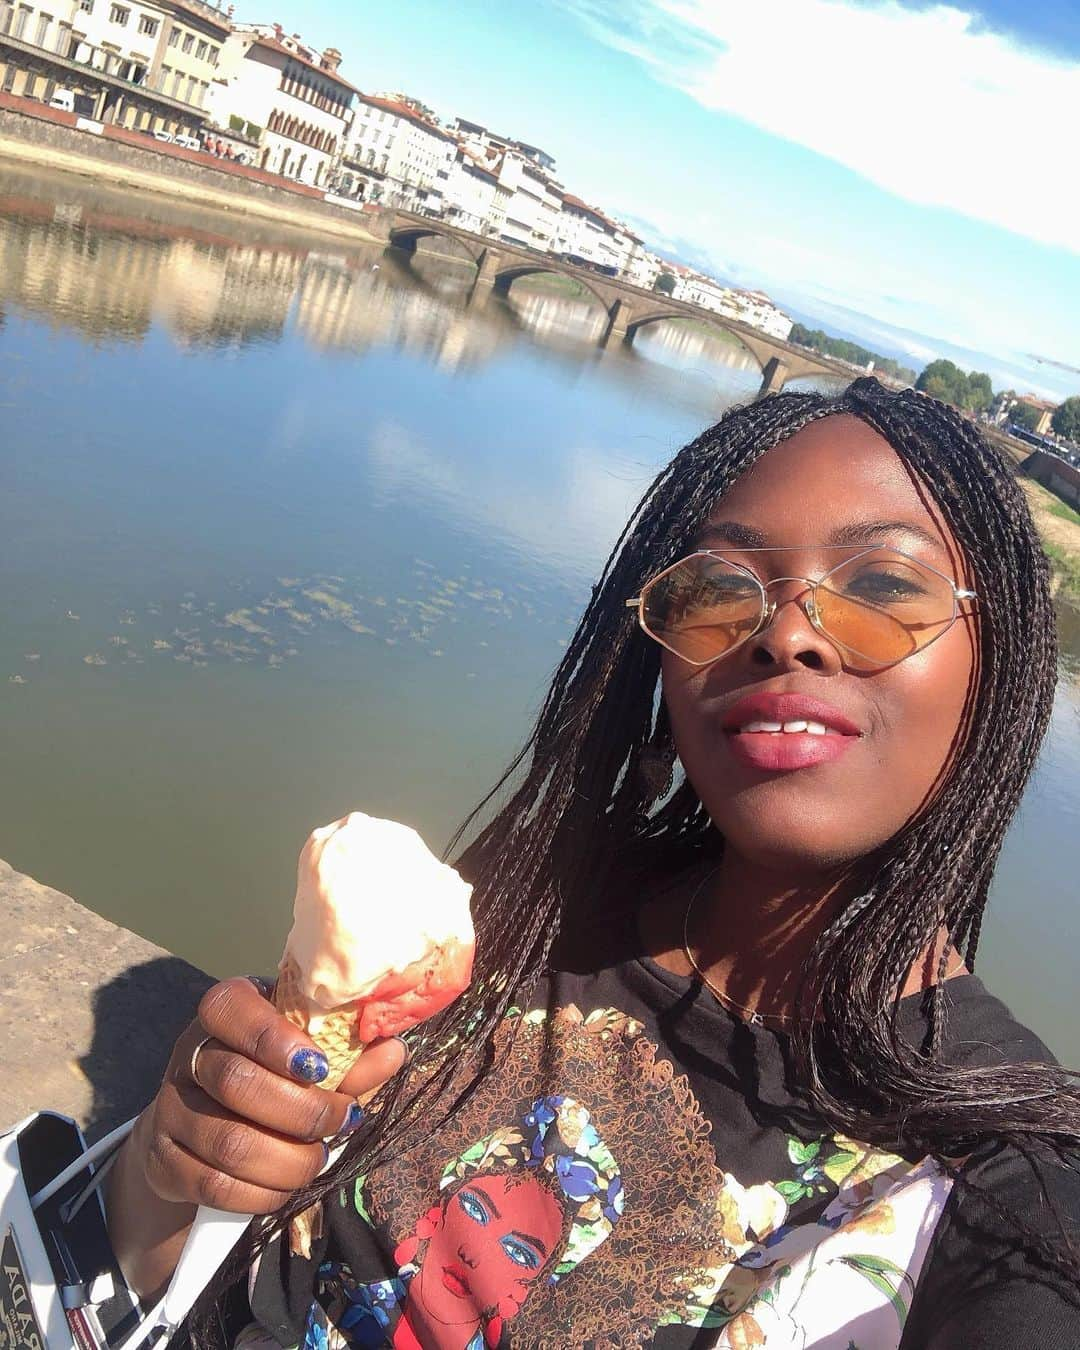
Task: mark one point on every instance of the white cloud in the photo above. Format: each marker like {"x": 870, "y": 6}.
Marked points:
{"x": 926, "y": 103}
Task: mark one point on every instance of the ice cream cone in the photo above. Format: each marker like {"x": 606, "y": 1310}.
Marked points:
{"x": 334, "y": 1032}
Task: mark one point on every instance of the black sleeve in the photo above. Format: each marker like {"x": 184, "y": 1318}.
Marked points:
{"x": 283, "y": 1290}
{"x": 988, "y": 1283}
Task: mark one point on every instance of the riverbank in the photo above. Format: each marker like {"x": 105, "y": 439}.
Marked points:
{"x": 1059, "y": 528}
{"x": 88, "y": 1010}
{"x": 35, "y": 136}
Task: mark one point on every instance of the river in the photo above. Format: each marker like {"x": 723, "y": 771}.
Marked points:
{"x": 287, "y": 530}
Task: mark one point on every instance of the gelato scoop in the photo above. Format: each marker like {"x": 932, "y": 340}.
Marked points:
{"x": 382, "y": 937}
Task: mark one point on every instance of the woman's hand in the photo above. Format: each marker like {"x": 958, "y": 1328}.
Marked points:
{"x": 241, "y": 1133}
{"x": 249, "y": 1130}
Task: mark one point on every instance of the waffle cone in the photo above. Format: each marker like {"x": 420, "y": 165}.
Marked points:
{"x": 335, "y": 1033}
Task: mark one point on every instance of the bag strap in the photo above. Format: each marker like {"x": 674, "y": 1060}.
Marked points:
{"x": 102, "y": 1149}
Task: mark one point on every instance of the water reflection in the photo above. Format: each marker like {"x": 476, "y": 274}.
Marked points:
{"x": 83, "y": 262}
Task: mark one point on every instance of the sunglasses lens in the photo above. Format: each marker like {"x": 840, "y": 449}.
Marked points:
{"x": 884, "y": 606}
{"x": 702, "y": 607}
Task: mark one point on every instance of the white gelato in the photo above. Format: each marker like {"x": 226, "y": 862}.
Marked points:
{"x": 371, "y": 898}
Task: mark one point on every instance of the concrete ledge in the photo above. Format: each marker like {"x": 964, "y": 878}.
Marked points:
{"x": 88, "y": 1011}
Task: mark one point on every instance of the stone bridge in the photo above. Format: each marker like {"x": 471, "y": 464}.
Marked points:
{"x": 628, "y": 308}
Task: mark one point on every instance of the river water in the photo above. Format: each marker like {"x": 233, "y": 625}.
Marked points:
{"x": 287, "y": 530}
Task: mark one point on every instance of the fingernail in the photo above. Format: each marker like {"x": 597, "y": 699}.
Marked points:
{"x": 405, "y": 1046}
{"x": 310, "y": 1066}
{"x": 354, "y": 1119}
{"x": 326, "y": 1152}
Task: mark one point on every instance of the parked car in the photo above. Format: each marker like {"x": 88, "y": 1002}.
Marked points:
{"x": 64, "y": 99}
{"x": 188, "y": 142}
{"x": 165, "y": 136}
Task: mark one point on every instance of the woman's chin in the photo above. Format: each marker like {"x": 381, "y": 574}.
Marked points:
{"x": 807, "y": 849}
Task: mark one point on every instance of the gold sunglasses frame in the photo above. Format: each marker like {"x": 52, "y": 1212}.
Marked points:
{"x": 808, "y": 604}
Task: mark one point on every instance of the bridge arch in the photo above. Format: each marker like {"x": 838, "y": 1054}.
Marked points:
{"x": 505, "y": 277}
{"x": 406, "y": 237}
{"x": 706, "y": 317}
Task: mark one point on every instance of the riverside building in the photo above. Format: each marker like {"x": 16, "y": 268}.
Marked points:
{"x": 398, "y": 155}
{"x": 473, "y": 197}
{"x": 146, "y": 65}
{"x": 288, "y": 98}
{"x": 533, "y": 198}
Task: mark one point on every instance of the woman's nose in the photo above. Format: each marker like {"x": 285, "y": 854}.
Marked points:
{"x": 789, "y": 639}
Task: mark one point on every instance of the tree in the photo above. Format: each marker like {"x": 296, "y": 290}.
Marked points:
{"x": 1066, "y": 419}
{"x": 1024, "y": 415}
{"x": 980, "y": 392}
{"x": 945, "y": 380}
{"x": 664, "y": 283}
{"x": 819, "y": 341}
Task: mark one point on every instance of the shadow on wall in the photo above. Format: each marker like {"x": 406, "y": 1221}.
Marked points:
{"x": 137, "y": 1017}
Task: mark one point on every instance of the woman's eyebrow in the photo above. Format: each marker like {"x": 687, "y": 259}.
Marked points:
{"x": 864, "y": 531}
{"x": 735, "y": 533}
{"x": 738, "y": 535}
{"x": 479, "y": 1190}
{"x": 540, "y": 1246}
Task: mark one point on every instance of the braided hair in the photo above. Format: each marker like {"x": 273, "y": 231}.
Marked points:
{"x": 579, "y": 804}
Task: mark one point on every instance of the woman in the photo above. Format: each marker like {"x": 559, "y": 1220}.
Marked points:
{"x": 745, "y": 856}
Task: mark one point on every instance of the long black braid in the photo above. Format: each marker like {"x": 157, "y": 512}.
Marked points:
{"x": 574, "y": 806}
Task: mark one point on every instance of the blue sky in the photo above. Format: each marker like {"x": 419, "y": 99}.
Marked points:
{"x": 909, "y": 164}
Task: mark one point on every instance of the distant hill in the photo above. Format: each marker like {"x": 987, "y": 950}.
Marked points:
{"x": 845, "y": 350}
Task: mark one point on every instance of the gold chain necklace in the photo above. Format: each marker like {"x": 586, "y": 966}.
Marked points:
{"x": 753, "y": 1015}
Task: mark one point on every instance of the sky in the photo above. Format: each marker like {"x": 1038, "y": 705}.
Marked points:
{"x": 895, "y": 169}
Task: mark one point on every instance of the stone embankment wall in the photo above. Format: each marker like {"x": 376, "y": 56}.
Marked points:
{"x": 33, "y": 133}
{"x": 88, "y": 1011}
{"x": 1054, "y": 473}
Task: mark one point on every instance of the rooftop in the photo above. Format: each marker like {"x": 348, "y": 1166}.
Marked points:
{"x": 296, "y": 50}
{"x": 409, "y": 113}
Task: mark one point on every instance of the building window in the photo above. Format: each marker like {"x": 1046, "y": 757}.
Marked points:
{"x": 87, "y": 6}
{"x": 191, "y": 87}
{"x": 189, "y": 42}
{"x": 42, "y": 29}
{"x": 215, "y": 52}
{"x": 21, "y": 20}
{"x": 119, "y": 15}
{"x": 174, "y": 37}
{"x": 201, "y": 49}
{"x": 148, "y": 27}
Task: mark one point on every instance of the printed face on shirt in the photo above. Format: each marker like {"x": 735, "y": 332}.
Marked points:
{"x": 496, "y": 1235}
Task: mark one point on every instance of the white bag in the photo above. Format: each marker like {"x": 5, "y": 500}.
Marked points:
{"x": 60, "y": 1285}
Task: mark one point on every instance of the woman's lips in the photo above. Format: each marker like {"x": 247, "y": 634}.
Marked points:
{"x": 782, "y": 732}
{"x": 782, "y": 751}
{"x": 456, "y": 1281}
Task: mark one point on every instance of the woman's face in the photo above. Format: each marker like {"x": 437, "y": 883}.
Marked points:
{"x": 496, "y": 1235}
{"x": 836, "y": 481}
